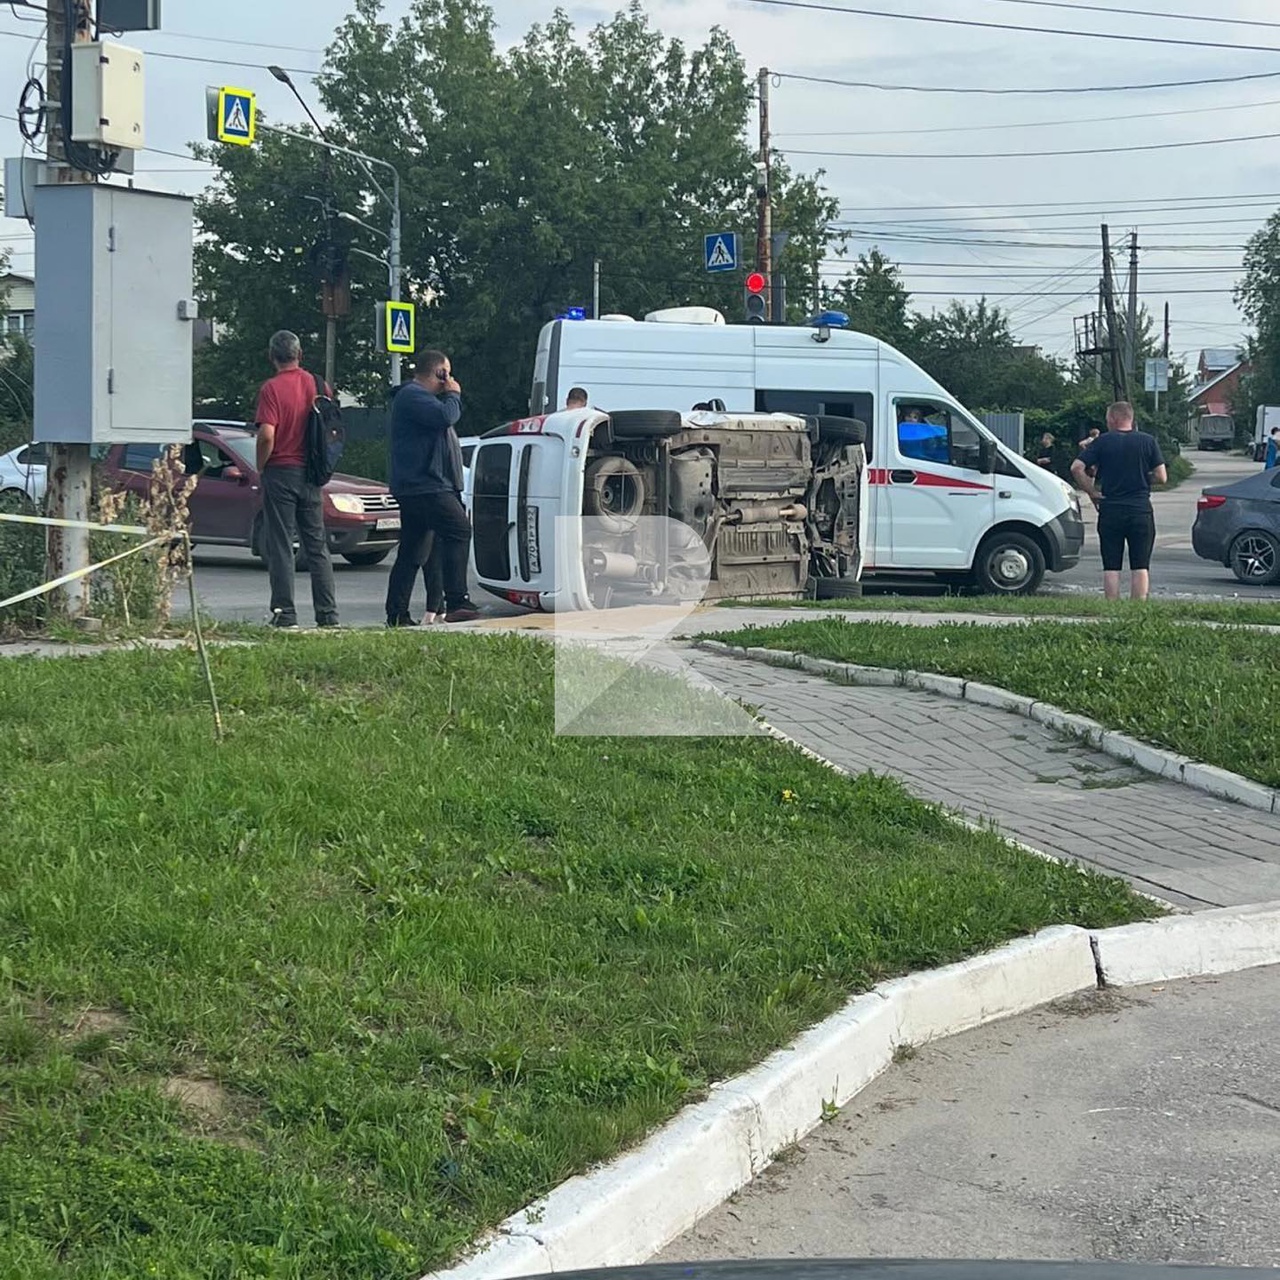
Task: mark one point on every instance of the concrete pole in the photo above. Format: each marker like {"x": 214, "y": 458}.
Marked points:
{"x": 395, "y": 265}
{"x": 70, "y": 475}
{"x": 764, "y": 212}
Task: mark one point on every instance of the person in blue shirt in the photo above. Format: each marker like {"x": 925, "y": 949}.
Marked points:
{"x": 1273, "y": 449}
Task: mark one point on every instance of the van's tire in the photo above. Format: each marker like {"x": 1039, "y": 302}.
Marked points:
{"x": 836, "y": 589}
{"x": 1008, "y": 563}
{"x": 839, "y": 431}
{"x": 646, "y": 424}
{"x": 613, "y": 493}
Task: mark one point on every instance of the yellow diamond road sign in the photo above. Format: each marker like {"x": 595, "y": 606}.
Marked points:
{"x": 237, "y": 117}
{"x": 399, "y": 327}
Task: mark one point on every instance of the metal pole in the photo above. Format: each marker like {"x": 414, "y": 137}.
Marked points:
{"x": 1132, "y": 335}
{"x": 70, "y": 474}
{"x": 764, "y": 218}
{"x": 595, "y": 290}
{"x": 395, "y": 264}
{"x": 330, "y": 350}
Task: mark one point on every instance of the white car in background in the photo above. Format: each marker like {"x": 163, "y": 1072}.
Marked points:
{"x": 23, "y": 473}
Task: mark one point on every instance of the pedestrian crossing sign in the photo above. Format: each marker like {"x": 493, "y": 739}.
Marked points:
{"x": 720, "y": 251}
{"x": 398, "y": 326}
{"x": 237, "y": 117}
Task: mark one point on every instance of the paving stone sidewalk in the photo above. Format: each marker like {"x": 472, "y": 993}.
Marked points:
{"x": 1062, "y": 798}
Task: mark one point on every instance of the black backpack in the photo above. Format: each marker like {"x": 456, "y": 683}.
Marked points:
{"x": 325, "y": 437}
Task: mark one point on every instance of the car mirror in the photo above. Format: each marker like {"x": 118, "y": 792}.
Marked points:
{"x": 987, "y": 457}
{"x": 234, "y": 474}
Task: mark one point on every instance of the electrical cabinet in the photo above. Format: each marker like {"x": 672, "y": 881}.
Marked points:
{"x": 107, "y": 99}
{"x": 113, "y": 315}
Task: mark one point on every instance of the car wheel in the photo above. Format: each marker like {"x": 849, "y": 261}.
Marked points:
{"x": 1008, "y": 564}
{"x": 1255, "y": 558}
{"x": 836, "y": 589}
{"x": 646, "y": 424}
{"x": 363, "y": 558}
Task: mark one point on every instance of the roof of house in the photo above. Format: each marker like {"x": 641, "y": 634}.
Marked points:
{"x": 1219, "y": 358}
{"x": 12, "y": 277}
{"x": 1196, "y": 392}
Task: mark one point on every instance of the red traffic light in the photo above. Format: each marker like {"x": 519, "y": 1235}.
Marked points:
{"x": 755, "y": 282}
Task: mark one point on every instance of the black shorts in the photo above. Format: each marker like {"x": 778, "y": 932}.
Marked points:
{"x": 1118, "y": 528}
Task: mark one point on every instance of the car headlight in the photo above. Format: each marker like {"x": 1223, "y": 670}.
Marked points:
{"x": 347, "y": 502}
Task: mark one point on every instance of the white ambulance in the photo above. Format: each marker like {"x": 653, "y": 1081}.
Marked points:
{"x": 944, "y": 495}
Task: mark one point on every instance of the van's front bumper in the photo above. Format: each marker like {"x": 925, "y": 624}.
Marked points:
{"x": 1065, "y": 537}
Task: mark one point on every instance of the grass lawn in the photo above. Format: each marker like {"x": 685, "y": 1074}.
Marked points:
{"x": 1242, "y": 613}
{"x": 329, "y": 999}
{"x": 1210, "y": 693}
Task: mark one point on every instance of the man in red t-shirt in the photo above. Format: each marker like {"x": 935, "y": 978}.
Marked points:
{"x": 290, "y": 506}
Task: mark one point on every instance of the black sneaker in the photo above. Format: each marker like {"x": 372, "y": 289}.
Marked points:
{"x": 465, "y": 612}
{"x": 281, "y": 625}
{"x": 331, "y": 624}
{"x": 404, "y": 620}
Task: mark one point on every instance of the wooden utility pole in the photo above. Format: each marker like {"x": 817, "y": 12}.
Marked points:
{"x": 1118, "y": 387}
{"x": 764, "y": 212}
{"x": 70, "y": 471}
{"x": 1131, "y": 335}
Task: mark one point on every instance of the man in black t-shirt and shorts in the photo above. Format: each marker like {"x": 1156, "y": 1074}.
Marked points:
{"x": 1125, "y": 464}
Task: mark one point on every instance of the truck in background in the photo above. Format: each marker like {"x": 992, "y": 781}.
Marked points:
{"x": 1215, "y": 431}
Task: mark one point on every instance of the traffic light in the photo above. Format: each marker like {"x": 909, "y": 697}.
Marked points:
{"x": 753, "y": 291}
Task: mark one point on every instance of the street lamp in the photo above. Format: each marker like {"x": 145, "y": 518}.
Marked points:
{"x": 366, "y": 161}
{"x": 360, "y": 222}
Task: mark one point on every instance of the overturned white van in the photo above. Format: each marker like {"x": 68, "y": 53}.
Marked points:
{"x": 944, "y": 495}
{"x": 583, "y": 509}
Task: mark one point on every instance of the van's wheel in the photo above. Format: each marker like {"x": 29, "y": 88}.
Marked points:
{"x": 836, "y": 589}
{"x": 1008, "y": 564}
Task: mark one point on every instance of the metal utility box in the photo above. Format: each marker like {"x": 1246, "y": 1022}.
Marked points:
{"x": 107, "y": 98}
{"x": 114, "y": 305}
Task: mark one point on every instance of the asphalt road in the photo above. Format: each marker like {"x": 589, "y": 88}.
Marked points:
{"x": 1138, "y": 1126}
{"x": 233, "y": 586}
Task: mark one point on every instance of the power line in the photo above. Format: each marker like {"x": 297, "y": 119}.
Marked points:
{"x": 1112, "y": 211}
{"x": 1022, "y": 155}
{"x": 1027, "y": 124}
{"x": 185, "y": 57}
{"x": 1144, "y": 13}
{"x": 1004, "y": 90}
{"x": 1089, "y": 206}
{"x": 1012, "y": 26}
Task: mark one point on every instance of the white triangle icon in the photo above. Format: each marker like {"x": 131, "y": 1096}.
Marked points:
{"x": 236, "y": 119}
{"x": 400, "y": 328}
{"x": 720, "y": 255}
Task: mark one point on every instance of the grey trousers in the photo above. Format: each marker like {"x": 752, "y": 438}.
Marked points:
{"x": 292, "y": 507}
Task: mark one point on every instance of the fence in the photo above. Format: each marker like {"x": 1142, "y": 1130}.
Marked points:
{"x": 1008, "y": 428}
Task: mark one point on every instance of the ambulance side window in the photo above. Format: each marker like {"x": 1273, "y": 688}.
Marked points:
{"x": 930, "y": 432}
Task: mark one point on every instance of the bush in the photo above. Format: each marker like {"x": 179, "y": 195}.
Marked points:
{"x": 366, "y": 458}
{"x": 21, "y": 568}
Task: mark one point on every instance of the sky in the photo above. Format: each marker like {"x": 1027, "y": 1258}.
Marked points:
{"x": 944, "y": 185}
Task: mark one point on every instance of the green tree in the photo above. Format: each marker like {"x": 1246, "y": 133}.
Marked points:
{"x": 521, "y": 168}
{"x": 1258, "y": 296}
{"x": 875, "y": 299}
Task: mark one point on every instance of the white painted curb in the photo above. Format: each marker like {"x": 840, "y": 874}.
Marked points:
{"x": 626, "y": 1211}
{"x": 1156, "y": 760}
{"x": 1188, "y": 946}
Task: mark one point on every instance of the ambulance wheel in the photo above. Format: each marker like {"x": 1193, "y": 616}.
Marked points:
{"x": 1008, "y": 564}
{"x": 646, "y": 424}
{"x": 836, "y": 589}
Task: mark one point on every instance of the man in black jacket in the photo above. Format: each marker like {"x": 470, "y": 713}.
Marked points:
{"x": 426, "y": 479}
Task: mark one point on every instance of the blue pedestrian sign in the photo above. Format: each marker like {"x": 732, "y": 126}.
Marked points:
{"x": 720, "y": 251}
{"x": 237, "y": 121}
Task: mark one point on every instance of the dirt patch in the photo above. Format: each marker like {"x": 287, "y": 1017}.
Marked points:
{"x": 99, "y": 1022}
{"x": 1088, "y": 1004}
{"x": 206, "y": 1100}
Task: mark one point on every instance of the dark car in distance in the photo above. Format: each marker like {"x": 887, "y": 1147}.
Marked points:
{"x": 1238, "y": 525}
{"x": 361, "y": 518}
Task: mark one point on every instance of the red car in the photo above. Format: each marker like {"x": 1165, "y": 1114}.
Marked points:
{"x": 361, "y": 517}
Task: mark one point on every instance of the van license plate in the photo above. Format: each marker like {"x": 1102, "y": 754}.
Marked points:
{"x": 388, "y": 522}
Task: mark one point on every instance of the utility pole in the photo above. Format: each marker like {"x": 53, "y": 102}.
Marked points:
{"x": 764, "y": 214}
{"x": 595, "y": 290}
{"x": 1132, "y": 334}
{"x": 1118, "y": 387}
{"x": 1166, "y": 331}
{"x": 70, "y": 473}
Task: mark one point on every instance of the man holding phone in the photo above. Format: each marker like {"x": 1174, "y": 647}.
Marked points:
{"x": 426, "y": 479}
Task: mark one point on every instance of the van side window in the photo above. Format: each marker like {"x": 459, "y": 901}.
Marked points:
{"x": 837, "y": 404}
{"x": 929, "y": 432}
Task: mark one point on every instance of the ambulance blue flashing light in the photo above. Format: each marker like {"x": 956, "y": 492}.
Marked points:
{"x": 574, "y": 313}
{"x": 830, "y": 320}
